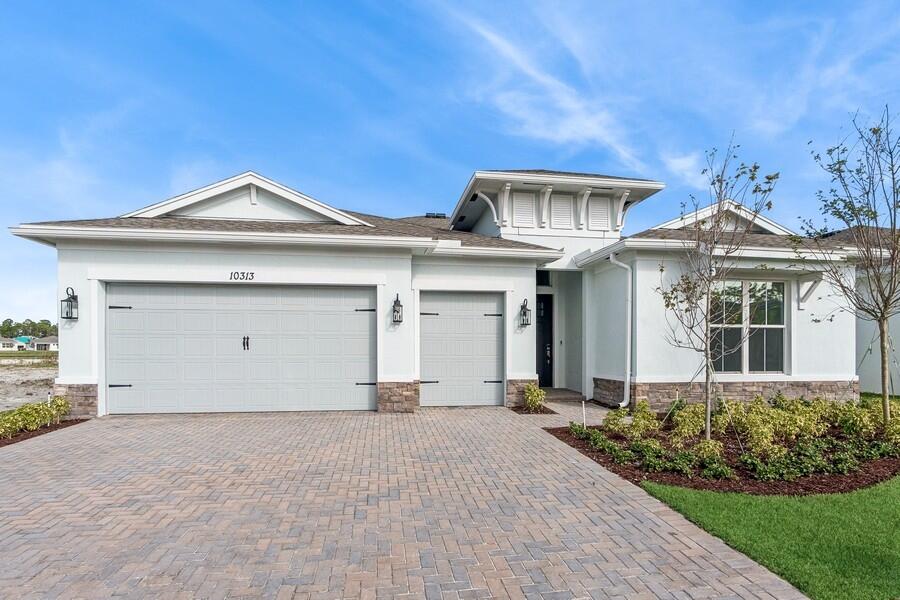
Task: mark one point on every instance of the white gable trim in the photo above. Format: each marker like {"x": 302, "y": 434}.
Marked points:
{"x": 731, "y": 206}
{"x": 238, "y": 181}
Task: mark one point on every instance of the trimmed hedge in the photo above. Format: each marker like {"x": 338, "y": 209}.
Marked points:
{"x": 30, "y": 417}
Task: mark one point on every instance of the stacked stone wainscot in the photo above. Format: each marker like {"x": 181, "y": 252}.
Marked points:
{"x": 398, "y": 396}
{"x": 515, "y": 391}
{"x": 661, "y": 395}
{"x": 82, "y": 397}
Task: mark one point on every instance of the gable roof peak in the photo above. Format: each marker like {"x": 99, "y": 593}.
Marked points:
{"x": 767, "y": 225}
{"x": 254, "y": 181}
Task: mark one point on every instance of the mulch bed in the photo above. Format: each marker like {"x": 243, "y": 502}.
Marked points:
{"x": 869, "y": 473}
{"x": 26, "y": 435}
{"x": 524, "y": 411}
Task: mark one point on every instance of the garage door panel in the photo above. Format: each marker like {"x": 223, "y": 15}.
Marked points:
{"x": 231, "y": 322}
{"x": 193, "y": 372}
{"x": 128, "y": 346}
{"x": 192, "y": 321}
{"x": 461, "y": 347}
{"x": 262, "y": 322}
{"x": 181, "y": 348}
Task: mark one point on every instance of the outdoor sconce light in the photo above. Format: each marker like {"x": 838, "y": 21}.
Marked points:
{"x": 69, "y": 306}
{"x": 397, "y": 313}
{"x": 525, "y": 314}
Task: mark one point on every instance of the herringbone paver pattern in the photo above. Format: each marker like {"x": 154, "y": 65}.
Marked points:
{"x": 444, "y": 503}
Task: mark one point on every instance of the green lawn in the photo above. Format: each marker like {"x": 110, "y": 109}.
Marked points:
{"x": 30, "y": 354}
{"x": 841, "y": 546}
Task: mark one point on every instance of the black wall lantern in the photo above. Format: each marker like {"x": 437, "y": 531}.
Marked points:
{"x": 525, "y": 314}
{"x": 397, "y": 313}
{"x": 69, "y": 306}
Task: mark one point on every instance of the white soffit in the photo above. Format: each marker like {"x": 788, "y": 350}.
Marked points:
{"x": 179, "y": 203}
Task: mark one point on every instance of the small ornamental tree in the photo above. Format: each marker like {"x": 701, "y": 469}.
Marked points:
{"x": 696, "y": 296}
{"x": 864, "y": 202}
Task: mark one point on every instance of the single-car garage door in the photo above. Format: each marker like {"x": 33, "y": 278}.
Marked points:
{"x": 461, "y": 348}
{"x": 211, "y": 348}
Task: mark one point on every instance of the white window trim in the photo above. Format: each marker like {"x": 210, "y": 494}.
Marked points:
{"x": 746, "y": 326}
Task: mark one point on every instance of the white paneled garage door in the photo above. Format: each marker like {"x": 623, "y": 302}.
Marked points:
{"x": 209, "y": 348}
{"x": 461, "y": 348}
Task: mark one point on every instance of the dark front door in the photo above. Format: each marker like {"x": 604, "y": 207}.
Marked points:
{"x": 544, "y": 322}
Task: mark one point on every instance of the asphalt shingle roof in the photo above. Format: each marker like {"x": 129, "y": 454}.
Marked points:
{"x": 755, "y": 240}
{"x": 381, "y": 226}
{"x": 564, "y": 173}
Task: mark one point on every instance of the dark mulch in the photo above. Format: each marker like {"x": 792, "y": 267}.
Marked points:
{"x": 25, "y": 435}
{"x": 542, "y": 411}
{"x": 869, "y": 473}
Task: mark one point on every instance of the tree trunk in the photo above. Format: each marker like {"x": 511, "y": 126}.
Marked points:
{"x": 707, "y": 369}
{"x": 884, "y": 338}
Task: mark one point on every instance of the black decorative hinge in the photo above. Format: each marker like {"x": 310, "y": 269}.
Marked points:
{"x": 120, "y": 308}
{"x": 365, "y": 310}
{"x": 493, "y": 381}
{"x": 430, "y": 381}
{"x": 363, "y": 383}
{"x": 119, "y": 385}
{"x": 429, "y": 314}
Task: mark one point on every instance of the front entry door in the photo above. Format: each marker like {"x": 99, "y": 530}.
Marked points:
{"x": 545, "y": 339}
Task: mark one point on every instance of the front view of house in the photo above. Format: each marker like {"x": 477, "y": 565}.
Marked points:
{"x": 246, "y": 295}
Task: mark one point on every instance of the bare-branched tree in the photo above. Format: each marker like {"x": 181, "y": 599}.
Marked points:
{"x": 695, "y": 293}
{"x": 864, "y": 202}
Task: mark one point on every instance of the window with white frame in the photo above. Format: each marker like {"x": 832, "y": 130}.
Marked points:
{"x": 748, "y": 327}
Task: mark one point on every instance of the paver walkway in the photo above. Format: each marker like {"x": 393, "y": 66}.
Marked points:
{"x": 446, "y": 503}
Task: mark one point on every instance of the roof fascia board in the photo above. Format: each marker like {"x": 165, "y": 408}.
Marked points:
{"x": 46, "y": 234}
{"x": 236, "y": 182}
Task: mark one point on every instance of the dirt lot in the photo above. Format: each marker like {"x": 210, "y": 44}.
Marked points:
{"x": 25, "y": 383}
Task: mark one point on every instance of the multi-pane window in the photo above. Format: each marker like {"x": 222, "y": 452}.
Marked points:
{"x": 747, "y": 327}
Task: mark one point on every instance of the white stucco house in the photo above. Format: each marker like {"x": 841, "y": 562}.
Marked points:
{"x": 246, "y": 295}
{"x": 10, "y": 345}
{"x": 45, "y": 344}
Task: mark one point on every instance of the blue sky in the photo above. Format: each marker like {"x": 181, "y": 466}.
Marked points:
{"x": 388, "y": 107}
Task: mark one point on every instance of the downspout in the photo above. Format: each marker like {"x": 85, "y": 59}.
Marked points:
{"x": 626, "y": 396}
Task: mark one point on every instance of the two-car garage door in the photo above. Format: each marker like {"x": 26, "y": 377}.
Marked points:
{"x": 208, "y": 348}
{"x": 244, "y": 348}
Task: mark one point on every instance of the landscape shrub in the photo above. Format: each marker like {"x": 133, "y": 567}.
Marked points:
{"x": 616, "y": 421}
{"x": 643, "y": 422}
{"x": 688, "y": 424}
{"x": 534, "y": 397}
{"x": 33, "y": 416}
{"x": 782, "y": 439}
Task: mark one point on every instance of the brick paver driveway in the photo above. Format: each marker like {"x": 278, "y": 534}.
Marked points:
{"x": 464, "y": 503}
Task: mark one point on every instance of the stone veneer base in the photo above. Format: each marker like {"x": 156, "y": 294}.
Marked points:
{"x": 398, "y": 396}
{"x": 661, "y": 395}
{"x": 82, "y": 397}
{"x": 515, "y": 391}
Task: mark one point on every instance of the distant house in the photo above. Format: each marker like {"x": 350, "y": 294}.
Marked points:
{"x": 11, "y": 345}
{"x": 49, "y": 343}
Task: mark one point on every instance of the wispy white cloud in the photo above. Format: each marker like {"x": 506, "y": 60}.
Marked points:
{"x": 543, "y": 106}
{"x": 688, "y": 168}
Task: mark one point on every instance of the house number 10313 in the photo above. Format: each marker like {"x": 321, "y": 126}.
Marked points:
{"x": 241, "y": 276}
